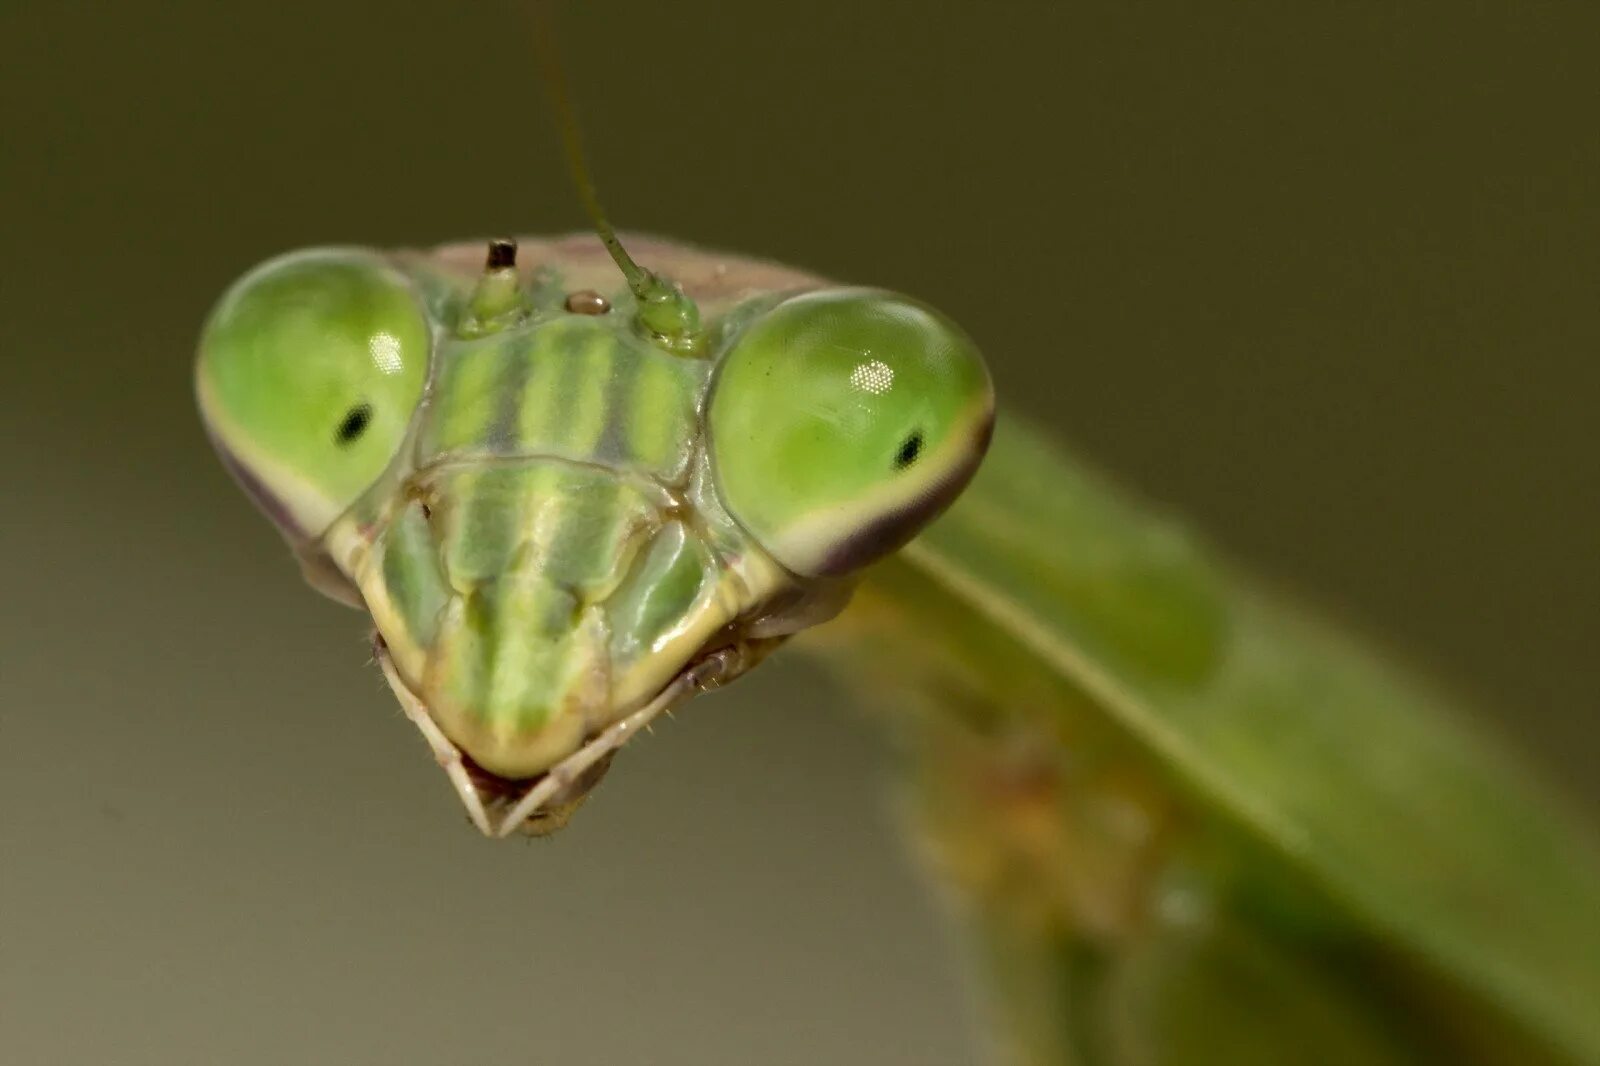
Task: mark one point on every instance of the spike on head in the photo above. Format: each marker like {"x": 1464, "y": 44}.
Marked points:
{"x": 502, "y": 254}
{"x": 498, "y": 300}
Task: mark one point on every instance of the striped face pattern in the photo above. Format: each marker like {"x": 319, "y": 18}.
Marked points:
{"x": 554, "y": 557}
{"x": 554, "y": 517}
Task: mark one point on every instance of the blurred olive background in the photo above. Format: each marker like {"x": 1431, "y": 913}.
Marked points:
{"x": 1322, "y": 277}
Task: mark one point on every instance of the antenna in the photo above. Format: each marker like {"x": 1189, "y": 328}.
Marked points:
{"x": 663, "y": 308}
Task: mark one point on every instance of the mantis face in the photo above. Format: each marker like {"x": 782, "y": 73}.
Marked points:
{"x": 561, "y": 521}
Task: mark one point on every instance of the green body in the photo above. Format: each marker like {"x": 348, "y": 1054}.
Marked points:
{"x": 1192, "y": 825}
{"x": 1187, "y": 825}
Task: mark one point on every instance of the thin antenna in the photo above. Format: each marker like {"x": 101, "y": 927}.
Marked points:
{"x": 664, "y": 311}
{"x": 555, "y": 87}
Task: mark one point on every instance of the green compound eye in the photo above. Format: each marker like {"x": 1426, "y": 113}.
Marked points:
{"x": 309, "y": 370}
{"x": 842, "y": 422}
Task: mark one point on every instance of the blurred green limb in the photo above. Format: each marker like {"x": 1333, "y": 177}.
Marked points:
{"x": 1183, "y": 824}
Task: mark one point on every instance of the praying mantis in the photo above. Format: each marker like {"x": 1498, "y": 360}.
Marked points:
{"x": 576, "y": 480}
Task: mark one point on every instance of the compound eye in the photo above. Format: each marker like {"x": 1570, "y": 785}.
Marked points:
{"x": 843, "y": 421}
{"x": 310, "y": 368}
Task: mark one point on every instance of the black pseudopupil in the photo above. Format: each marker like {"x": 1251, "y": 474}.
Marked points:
{"x": 355, "y": 423}
{"x": 910, "y": 448}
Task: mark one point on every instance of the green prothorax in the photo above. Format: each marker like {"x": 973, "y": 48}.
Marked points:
{"x": 562, "y": 517}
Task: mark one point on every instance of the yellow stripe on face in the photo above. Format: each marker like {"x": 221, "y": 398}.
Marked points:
{"x": 591, "y": 396}
{"x": 529, "y": 612}
{"x": 556, "y": 372}
{"x": 466, "y": 398}
{"x": 660, "y": 415}
{"x": 405, "y": 589}
{"x": 480, "y": 514}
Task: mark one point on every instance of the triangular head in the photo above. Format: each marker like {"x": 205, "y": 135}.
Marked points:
{"x": 561, "y": 518}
